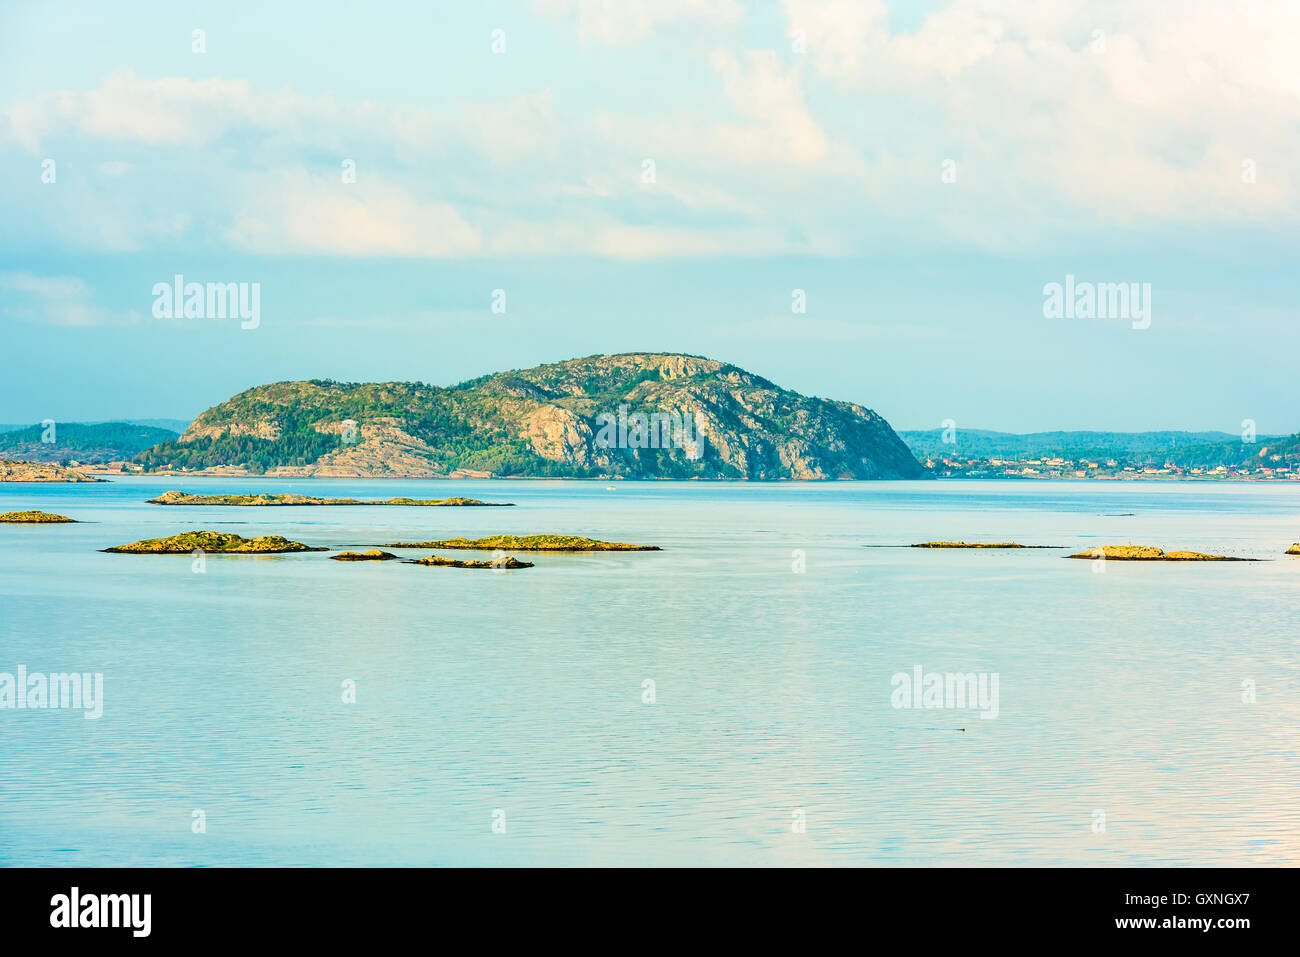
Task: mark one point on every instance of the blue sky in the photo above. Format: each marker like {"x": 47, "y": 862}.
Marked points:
{"x": 798, "y": 145}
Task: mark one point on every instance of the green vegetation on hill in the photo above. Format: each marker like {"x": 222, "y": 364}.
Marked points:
{"x": 1268, "y": 451}
{"x": 546, "y": 422}
{"x": 257, "y": 455}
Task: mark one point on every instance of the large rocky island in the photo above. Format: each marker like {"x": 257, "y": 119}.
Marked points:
{"x": 642, "y": 415}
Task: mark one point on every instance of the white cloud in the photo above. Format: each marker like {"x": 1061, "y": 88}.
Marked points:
{"x": 296, "y": 212}
{"x": 1130, "y": 113}
{"x": 507, "y": 178}
{"x": 771, "y": 94}
{"x": 171, "y": 111}
{"x": 835, "y": 152}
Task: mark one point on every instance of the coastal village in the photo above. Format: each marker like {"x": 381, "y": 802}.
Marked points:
{"x": 1113, "y": 469}
{"x": 946, "y": 468}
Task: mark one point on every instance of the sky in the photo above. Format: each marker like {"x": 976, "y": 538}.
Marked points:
{"x": 855, "y": 199}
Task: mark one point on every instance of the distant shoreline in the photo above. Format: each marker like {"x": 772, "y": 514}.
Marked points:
{"x": 1200, "y": 480}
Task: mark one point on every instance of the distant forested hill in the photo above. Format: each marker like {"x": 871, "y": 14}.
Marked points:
{"x": 98, "y": 442}
{"x": 171, "y": 425}
{"x": 1138, "y": 448}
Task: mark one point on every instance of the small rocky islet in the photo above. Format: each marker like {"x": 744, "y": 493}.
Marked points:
{"x": 975, "y": 545}
{"x": 1294, "y": 549}
{"x": 34, "y": 518}
{"x": 215, "y": 543}
{"x": 1119, "y": 553}
{"x": 530, "y": 543}
{"x": 440, "y": 562}
{"x": 264, "y": 499}
{"x": 1149, "y": 553}
{"x": 373, "y": 555}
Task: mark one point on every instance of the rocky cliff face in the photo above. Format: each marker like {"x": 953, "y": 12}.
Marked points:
{"x": 635, "y": 416}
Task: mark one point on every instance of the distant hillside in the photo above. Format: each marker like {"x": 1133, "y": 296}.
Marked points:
{"x": 580, "y": 418}
{"x": 171, "y": 425}
{"x": 101, "y": 442}
{"x": 1182, "y": 448}
{"x": 176, "y": 426}
{"x": 1267, "y": 450}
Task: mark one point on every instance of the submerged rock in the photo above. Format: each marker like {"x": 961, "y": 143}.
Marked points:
{"x": 217, "y": 543}
{"x": 531, "y": 543}
{"x": 438, "y": 560}
{"x": 185, "y": 498}
{"x": 34, "y": 518}
{"x": 1149, "y": 553}
{"x": 373, "y": 555}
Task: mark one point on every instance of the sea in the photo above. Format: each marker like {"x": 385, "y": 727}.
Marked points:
{"x": 748, "y": 695}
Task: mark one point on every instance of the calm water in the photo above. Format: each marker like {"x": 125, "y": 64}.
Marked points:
{"x": 522, "y": 692}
